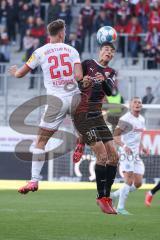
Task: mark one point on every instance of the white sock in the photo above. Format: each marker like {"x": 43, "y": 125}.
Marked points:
{"x": 38, "y": 160}
{"x": 132, "y": 188}
{"x": 115, "y": 194}
{"x": 124, "y": 191}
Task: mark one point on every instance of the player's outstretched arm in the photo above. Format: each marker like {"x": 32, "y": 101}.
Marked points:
{"x": 19, "y": 72}
{"x": 78, "y": 73}
{"x": 117, "y": 138}
{"x": 144, "y": 150}
{"x": 109, "y": 83}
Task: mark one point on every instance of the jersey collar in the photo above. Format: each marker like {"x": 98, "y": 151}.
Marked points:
{"x": 99, "y": 64}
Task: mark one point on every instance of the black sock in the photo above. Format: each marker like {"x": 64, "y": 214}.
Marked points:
{"x": 156, "y": 188}
{"x": 100, "y": 172}
{"x": 110, "y": 176}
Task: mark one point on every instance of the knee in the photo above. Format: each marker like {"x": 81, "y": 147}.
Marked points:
{"x": 40, "y": 146}
{"x": 129, "y": 182}
{"x": 137, "y": 184}
{"x": 102, "y": 159}
{"x": 129, "y": 179}
{"x": 113, "y": 158}
{"x": 40, "y": 143}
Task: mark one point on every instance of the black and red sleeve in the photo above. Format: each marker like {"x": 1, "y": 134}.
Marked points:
{"x": 109, "y": 83}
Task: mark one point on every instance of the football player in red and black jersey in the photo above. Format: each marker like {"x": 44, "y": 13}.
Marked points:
{"x": 98, "y": 81}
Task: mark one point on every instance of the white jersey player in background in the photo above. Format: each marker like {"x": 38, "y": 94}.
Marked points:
{"x": 127, "y": 136}
{"x": 61, "y": 67}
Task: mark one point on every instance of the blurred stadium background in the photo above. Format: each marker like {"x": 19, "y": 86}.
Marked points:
{"x": 63, "y": 215}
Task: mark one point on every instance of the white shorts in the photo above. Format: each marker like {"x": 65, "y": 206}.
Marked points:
{"x": 131, "y": 163}
{"x": 56, "y": 110}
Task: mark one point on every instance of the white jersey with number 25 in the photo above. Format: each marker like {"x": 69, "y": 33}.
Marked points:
{"x": 57, "y": 62}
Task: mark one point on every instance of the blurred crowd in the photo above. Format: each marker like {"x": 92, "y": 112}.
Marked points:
{"x": 138, "y": 18}
{"x": 24, "y": 22}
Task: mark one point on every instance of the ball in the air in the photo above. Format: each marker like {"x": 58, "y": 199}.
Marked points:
{"x": 106, "y": 34}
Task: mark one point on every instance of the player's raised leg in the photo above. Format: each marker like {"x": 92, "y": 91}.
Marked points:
{"x": 79, "y": 150}
{"x": 56, "y": 84}
{"x": 38, "y": 160}
{"x": 105, "y": 175}
{"x": 111, "y": 166}
{"x": 150, "y": 194}
{"x": 90, "y": 123}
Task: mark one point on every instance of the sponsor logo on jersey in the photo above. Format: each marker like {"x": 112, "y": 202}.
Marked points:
{"x": 91, "y": 69}
{"x": 107, "y": 74}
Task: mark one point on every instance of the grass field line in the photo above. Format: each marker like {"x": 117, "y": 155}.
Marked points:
{"x": 44, "y": 211}
{"x": 45, "y": 185}
{"x": 74, "y": 215}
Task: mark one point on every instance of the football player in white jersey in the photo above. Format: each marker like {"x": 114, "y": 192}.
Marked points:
{"x": 127, "y": 136}
{"x": 61, "y": 68}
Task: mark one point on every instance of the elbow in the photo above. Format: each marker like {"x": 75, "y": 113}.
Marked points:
{"x": 109, "y": 93}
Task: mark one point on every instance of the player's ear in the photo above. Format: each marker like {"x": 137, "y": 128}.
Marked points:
{"x": 49, "y": 37}
{"x": 61, "y": 34}
{"x": 130, "y": 104}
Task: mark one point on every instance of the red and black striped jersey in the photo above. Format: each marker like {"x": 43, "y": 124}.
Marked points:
{"x": 92, "y": 95}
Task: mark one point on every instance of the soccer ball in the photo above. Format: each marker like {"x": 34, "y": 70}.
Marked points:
{"x": 106, "y": 34}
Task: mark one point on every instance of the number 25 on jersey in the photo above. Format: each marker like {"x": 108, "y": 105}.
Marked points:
{"x": 57, "y": 64}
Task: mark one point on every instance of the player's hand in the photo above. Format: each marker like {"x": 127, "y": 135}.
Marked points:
{"x": 12, "y": 70}
{"x": 127, "y": 150}
{"x": 86, "y": 81}
{"x": 99, "y": 77}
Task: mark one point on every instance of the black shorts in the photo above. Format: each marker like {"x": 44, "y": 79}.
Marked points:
{"x": 92, "y": 127}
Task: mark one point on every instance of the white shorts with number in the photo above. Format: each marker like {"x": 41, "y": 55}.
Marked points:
{"x": 131, "y": 163}
{"x": 57, "y": 108}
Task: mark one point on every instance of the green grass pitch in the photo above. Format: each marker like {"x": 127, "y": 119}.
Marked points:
{"x": 74, "y": 215}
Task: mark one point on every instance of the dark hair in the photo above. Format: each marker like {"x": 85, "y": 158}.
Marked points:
{"x": 55, "y": 27}
{"x": 148, "y": 88}
{"x": 107, "y": 44}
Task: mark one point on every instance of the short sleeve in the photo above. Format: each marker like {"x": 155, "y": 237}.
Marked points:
{"x": 76, "y": 57}
{"x": 124, "y": 124}
{"x": 33, "y": 61}
{"x": 124, "y": 117}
